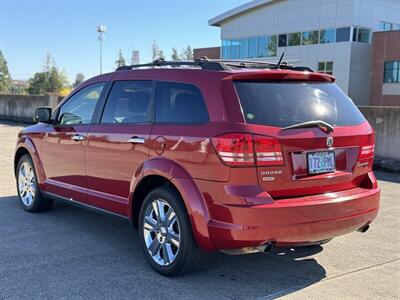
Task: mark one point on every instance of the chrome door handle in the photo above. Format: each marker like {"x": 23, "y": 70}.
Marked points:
{"x": 136, "y": 140}
{"x": 77, "y": 137}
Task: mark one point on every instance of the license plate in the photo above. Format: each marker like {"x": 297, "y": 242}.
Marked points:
{"x": 321, "y": 162}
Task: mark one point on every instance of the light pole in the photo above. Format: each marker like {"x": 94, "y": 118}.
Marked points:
{"x": 101, "y": 29}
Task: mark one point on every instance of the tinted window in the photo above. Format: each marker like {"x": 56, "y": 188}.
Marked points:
{"x": 284, "y": 104}
{"x": 282, "y": 41}
{"x": 79, "y": 107}
{"x": 179, "y": 103}
{"x": 391, "y": 72}
{"x": 129, "y": 102}
{"x": 343, "y": 34}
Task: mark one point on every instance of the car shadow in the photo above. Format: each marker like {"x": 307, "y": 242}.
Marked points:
{"x": 94, "y": 254}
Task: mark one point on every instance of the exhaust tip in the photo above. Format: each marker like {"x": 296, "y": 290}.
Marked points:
{"x": 265, "y": 247}
{"x": 363, "y": 228}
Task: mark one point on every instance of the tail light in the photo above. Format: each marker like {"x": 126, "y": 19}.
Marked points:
{"x": 241, "y": 150}
{"x": 268, "y": 151}
{"x": 367, "y": 150}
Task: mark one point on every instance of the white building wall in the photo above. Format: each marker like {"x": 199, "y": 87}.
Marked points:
{"x": 352, "y": 61}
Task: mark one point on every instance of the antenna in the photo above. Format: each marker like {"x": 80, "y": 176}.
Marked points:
{"x": 278, "y": 65}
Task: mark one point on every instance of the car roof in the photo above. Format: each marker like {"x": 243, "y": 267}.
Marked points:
{"x": 163, "y": 73}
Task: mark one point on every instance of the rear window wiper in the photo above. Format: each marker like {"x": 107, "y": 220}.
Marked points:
{"x": 324, "y": 126}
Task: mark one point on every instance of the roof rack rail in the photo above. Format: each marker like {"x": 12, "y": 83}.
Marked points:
{"x": 218, "y": 64}
{"x": 203, "y": 63}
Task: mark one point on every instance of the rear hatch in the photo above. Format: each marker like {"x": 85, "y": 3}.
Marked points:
{"x": 308, "y": 137}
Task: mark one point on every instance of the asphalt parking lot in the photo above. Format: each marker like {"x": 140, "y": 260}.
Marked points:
{"x": 68, "y": 253}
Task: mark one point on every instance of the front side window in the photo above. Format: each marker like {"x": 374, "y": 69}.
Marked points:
{"x": 129, "y": 102}
{"x": 391, "y": 72}
{"x": 79, "y": 107}
{"x": 284, "y": 104}
{"x": 180, "y": 103}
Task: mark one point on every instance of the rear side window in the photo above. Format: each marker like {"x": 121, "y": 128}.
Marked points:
{"x": 180, "y": 103}
{"x": 129, "y": 102}
{"x": 285, "y": 104}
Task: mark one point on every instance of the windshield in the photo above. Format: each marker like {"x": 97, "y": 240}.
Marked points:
{"x": 285, "y": 104}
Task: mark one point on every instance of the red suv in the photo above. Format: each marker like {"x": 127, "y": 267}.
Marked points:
{"x": 206, "y": 155}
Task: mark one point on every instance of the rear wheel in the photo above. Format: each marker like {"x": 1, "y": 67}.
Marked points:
{"x": 31, "y": 199}
{"x": 166, "y": 233}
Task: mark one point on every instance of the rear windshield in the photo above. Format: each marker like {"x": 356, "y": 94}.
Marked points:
{"x": 285, "y": 104}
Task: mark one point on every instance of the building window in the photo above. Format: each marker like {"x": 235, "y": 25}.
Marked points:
{"x": 253, "y": 47}
{"x": 282, "y": 40}
{"x": 262, "y": 46}
{"x": 294, "y": 39}
{"x": 310, "y": 37}
{"x": 325, "y": 67}
{"x": 343, "y": 34}
{"x": 391, "y": 72}
{"x": 226, "y": 44}
{"x": 244, "y": 48}
{"x": 272, "y": 45}
{"x": 234, "y": 52}
{"x": 387, "y": 26}
{"x": 327, "y": 36}
{"x": 361, "y": 35}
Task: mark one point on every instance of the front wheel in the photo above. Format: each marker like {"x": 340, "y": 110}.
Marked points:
{"x": 31, "y": 199}
{"x": 166, "y": 234}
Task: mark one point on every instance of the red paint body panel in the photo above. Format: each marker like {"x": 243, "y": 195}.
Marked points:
{"x": 229, "y": 207}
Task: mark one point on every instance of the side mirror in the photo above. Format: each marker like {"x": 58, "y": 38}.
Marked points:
{"x": 42, "y": 114}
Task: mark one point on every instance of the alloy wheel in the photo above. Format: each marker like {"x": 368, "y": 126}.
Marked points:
{"x": 26, "y": 183}
{"x": 161, "y": 232}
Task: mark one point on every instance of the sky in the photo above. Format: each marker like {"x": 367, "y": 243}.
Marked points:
{"x": 67, "y": 30}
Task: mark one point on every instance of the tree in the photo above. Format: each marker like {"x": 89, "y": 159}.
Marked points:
{"x": 156, "y": 52}
{"x": 175, "y": 55}
{"x": 79, "y": 78}
{"x": 187, "y": 53}
{"x": 50, "y": 80}
{"x": 120, "y": 62}
{"x": 5, "y": 78}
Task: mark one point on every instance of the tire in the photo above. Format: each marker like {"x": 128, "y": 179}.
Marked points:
{"x": 159, "y": 235}
{"x": 30, "y": 196}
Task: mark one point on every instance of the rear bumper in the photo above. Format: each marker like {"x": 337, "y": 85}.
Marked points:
{"x": 293, "y": 221}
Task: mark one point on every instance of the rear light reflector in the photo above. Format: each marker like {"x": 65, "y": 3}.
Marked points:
{"x": 237, "y": 150}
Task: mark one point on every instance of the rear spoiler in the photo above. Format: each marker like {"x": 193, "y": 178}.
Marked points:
{"x": 280, "y": 75}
